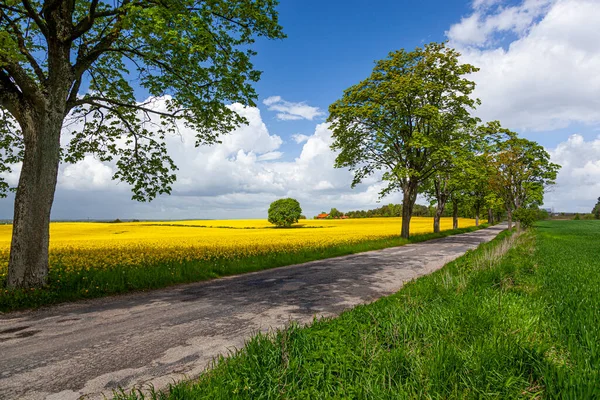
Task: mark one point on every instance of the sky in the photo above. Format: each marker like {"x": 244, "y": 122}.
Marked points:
{"x": 539, "y": 75}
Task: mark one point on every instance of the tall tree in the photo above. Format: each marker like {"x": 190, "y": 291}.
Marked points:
{"x": 521, "y": 171}
{"x": 479, "y": 194}
{"x": 397, "y": 120}
{"x": 76, "y": 58}
{"x": 457, "y": 169}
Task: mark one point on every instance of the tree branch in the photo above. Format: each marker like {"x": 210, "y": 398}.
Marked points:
{"x": 26, "y": 85}
{"x": 13, "y": 9}
{"x": 233, "y": 21}
{"x": 87, "y": 22}
{"x": 23, "y": 49}
{"x": 31, "y": 12}
{"x": 97, "y": 102}
{"x": 84, "y": 61}
{"x": 9, "y": 94}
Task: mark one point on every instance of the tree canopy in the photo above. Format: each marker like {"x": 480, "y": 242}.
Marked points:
{"x": 404, "y": 119}
{"x": 284, "y": 212}
{"x": 76, "y": 61}
{"x": 521, "y": 170}
{"x": 194, "y": 55}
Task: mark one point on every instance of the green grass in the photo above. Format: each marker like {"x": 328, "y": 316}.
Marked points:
{"x": 91, "y": 282}
{"x": 517, "y": 318}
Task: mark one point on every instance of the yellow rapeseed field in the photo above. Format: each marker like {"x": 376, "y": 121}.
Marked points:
{"x": 77, "y": 246}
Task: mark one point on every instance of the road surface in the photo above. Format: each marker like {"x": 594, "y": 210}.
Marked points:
{"x": 92, "y": 347}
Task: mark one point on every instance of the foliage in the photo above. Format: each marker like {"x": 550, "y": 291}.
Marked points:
{"x": 98, "y": 259}
{"x": 335, "y": 213}
{"x": 193, "y": 56}
{"x": 543, "y": 214}
{"x": 516, "y": 318}
{"x": 596, "y": 210}
{"x": 284, "y": 212}
{"x": 400, "y": 119}
{"x": 526, "y": 216}
{"x": 521, "y": 169}
{"x": 395, "y": 210}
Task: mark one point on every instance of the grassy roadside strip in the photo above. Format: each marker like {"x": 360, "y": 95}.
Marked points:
{"x": 519, "y": 317}
{"x": 92, "y": 283}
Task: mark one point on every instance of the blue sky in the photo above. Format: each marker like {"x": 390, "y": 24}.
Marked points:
{"x": 539, "y": 76}
{"x": 332, "y": 45}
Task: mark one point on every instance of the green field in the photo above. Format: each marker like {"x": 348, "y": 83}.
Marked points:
{"x": 517, "y": 318}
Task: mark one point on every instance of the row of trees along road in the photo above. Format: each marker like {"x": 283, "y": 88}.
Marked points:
{"x": 75, "y": 59}
{"x": 411, "y": 120}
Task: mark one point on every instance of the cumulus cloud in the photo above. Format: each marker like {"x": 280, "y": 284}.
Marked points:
{"x": 87, "y": 174}
{"x": 578, "y": 184}
{"x": 491, "y": 17}
{"x": 300, "y": 138}
{"x": 238, "y": 178}
{"x": 288, "y": 111}
{"x": 544, "y": 79}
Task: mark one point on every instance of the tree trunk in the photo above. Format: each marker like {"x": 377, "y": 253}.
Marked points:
{"x": 28, "y": 264}
{"x": 436, "y": 221}
{"x": 454, "y": 215}
{"x": 408, "y": 202}
{"x": 490, "y": 216}
{"x": 439, "y": 210}
{"x": 477, "y": 219}
{"x": 509, "y": 217}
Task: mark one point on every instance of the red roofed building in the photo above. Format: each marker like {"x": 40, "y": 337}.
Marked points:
{"x": 322, "y": 216}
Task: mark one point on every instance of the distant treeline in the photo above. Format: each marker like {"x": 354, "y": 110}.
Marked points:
{"x": 395, "y": 210}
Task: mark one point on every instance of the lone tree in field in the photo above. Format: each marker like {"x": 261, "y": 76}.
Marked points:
{"x": 398, "y": 120}
{"x": 75, "y": 59}
{"x": 284, "y": 212}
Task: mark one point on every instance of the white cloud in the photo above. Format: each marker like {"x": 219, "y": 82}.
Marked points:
{"x": 238, "y": 178}
{"x": 323, "y": 185}
{"x": 547, "y": 78}
{"x": 289, "y": 111}
{"x": 270, "y": 156}
{"x": 578, "y": 184}
{"x": 87, "y": 174}
{"x": 490, "y": 18}
{"x": 272, "y": 100}
{"x": 300, "y": 138}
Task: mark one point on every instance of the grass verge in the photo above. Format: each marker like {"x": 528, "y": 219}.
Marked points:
{"x": 90, "y": 282}
{"x": 517, "y": 318}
